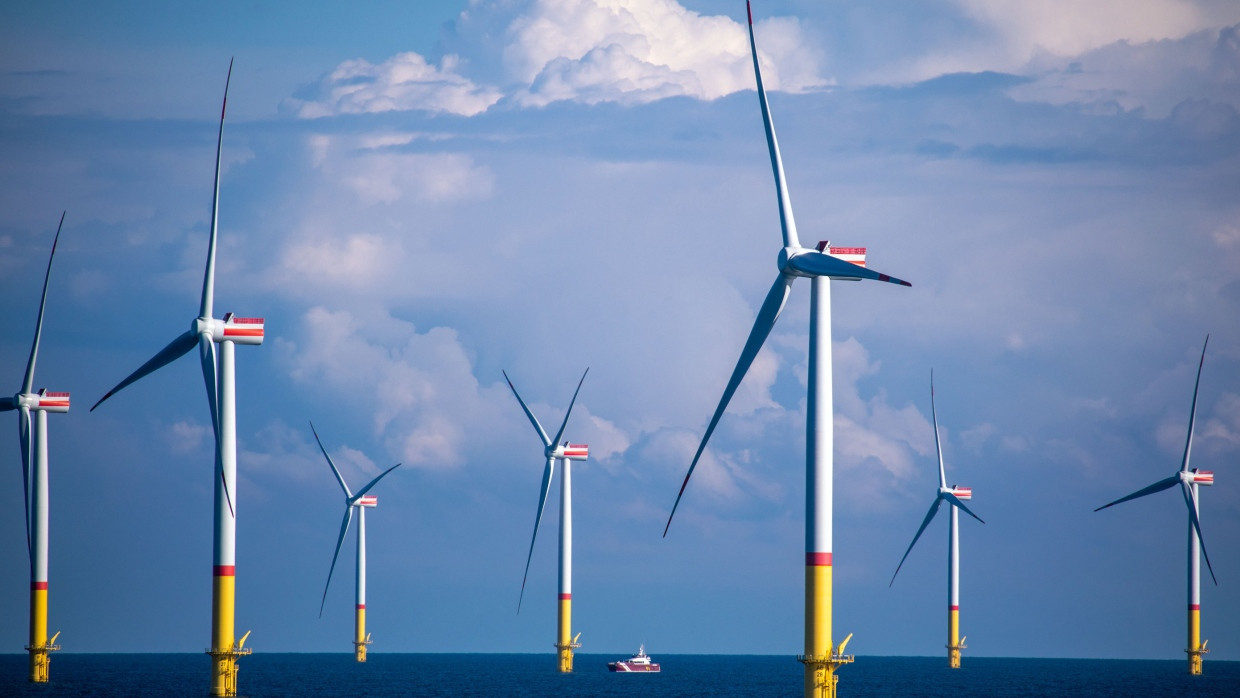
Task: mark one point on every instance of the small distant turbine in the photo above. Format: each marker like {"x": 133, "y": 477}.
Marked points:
{"x": 567, "y": 452}
{"x": 820, "y": 266}
{"x": 360, "y": 501}
{"x": 35, "y": 485}
{"x": 954, "y": 496}
{"x": 205, "y": 332}
{"x": 1188, "y": 480}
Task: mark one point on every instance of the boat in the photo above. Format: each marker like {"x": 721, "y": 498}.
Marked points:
{"x": 637, "y": 664}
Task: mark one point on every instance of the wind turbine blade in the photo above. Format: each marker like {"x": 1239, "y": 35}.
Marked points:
{"x": 1156, "y": 487}
{"x": 23, "y": 434}
{"x": 1192, "y": 414}
{"x": 934, "y": 509}
{"x": 533, "y": 420}
{"x": 344, "y": 528}
{"x": 1191, "y": 500}
{"x": 206, "y": 353}
{"x": 175, "y": 350}
{"x": 955, "y": 501}
{"x": 335, "y": 470}
{"x": 762, "y": 326}
{"x": 786, "y": 222}
{"x": 208, "y": 279}
{"x": 819, "y": 264}
{"x": 542, "y": 501}
{"x": 375, "y": 481}
{"x": 28, "y": 382}
{"x": 937, "y": 446}
{"x": 560, "y": 434}
{"x": 206, "y": 357}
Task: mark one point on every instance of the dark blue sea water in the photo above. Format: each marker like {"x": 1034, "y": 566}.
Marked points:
{"x": 683, "y": 675}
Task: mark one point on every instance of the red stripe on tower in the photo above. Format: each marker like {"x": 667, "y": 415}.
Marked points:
{"x": 566, "y": 597}
{"x": 818, "y": 559}
{"x": 224, "y": 570}
{"x": 1194, "y": 607}
{"x": 38, "y": 586}
{"x": 361, "y": 607}
{"x": 953, "y": 608}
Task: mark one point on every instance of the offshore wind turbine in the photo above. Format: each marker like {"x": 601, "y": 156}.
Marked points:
{"x": 205, "y": 332}
{"x": 1188, "y": 480}
{"x": 819, "y": 266}
{"x": 35, "y": 485}
{"x": 566, "y": 452}
{"x": 954, "y": 496}
{"x": 360, "y": 501}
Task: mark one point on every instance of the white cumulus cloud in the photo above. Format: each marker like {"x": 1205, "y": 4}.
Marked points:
{"x": 403, "y": 82}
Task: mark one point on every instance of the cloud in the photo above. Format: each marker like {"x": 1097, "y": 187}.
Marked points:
{"x": 1155, "y": 76}
{"x": 404, "y": 82}
{"x": 186, "y": 437}
{"x": 417, "y": 389}
{"x": 1221, "y": 433}
{"x": 589, "y": 51}
{"x": 640, "y": 51}
{"x": 1065, "y": 28}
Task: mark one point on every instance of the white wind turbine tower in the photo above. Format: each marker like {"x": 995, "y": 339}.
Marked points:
{"x": 35, "y": 485}
{"x": 205, "y": 332}
{"x": 567, "y": 452}
{"x": 1188, "y": 480}
{"x": 360, "y": 501}
{"x": 819, "y": 266}
{"x": 954, "y": 497}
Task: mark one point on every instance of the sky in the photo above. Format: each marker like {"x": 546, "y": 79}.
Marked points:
{"x": 418, "y": 196}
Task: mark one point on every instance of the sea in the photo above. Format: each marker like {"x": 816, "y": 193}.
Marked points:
{"x": 274, "y": 675}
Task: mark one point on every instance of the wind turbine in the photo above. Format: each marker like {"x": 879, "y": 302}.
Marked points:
{"x": 205, "y": 332}
{"x": 360, "y": 501}
{"x": 35, "y": 485}
{"x": 567, "y": 452}
{"x": 954, "y": 496}
{"x": 819, "y": 266}
{"x": 1188, "y": 480}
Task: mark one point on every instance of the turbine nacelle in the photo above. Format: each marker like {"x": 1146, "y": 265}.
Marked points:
{"x": 960, "y": 492}
{"x": 237, "y": 330}
{"x": 1198, "y": 477}
{"x": 571, "y": 451}
{"x": 44, "y": 400}
{"x": 369, "y": 500}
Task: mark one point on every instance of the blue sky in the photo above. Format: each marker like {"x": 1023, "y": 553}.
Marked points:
{"x": 419, "y": 195}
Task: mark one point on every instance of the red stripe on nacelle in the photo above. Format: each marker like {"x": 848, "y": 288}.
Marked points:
{"x": 242, "y": 332}
{"x": 566, "y": 597}
{"x": 818, "y": 559}
{"x": 38, "y": 586}
{"x": 224, "y": 570}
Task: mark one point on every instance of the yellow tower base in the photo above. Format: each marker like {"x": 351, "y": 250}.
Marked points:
{"x": 224, "y": 675}
{"x": 40, "y": 659}
{"x": 822, "y": 669}
{"x": 953, "y": 654}
{"x": 955, "y": 643}
{"x": 39, "y": 646}
{"x": 565, "y": 646}
{"x": 1196, "y": 647}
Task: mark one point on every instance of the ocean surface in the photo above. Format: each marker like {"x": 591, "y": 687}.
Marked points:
{"x": 682, "y": 675}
